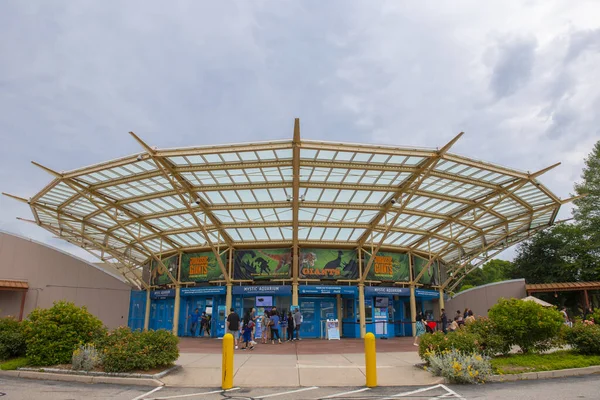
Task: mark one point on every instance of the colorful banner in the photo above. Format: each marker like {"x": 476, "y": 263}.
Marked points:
{"x": 262, "y": 264}
{"x": 328, "y": 264}
{"x": 201, "y": 267}
{"x": 158, "y": 274}
{"x": 391, "y": 267}
{"x": 431, "y": 275}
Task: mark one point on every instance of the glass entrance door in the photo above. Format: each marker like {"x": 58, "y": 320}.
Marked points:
{"x": 315, "y": 312}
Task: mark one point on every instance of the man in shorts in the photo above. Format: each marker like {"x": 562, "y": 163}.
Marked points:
{"x": 233, "y": 326}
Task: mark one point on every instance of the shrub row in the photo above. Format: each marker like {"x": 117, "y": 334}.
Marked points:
{"x": 12, "y": 339}
{"x": 66, "y": 333}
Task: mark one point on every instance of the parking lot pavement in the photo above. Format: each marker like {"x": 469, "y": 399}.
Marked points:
{"x": 582, "y": 387}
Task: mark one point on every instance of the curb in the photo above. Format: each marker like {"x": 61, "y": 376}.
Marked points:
{"x": 91, "y": 377}
{"x": 103, "y": 374}
{"x": 560, "y": 373}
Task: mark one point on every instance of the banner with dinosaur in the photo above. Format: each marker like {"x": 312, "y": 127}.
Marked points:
{"x": 202, "y": 267}
{"x": 262, "y": 264}
{"x": 391, "y": 267}
{"x": 431, "y": 275}
{"x": 158, "y": 275}
{"x": 328, "y": 264}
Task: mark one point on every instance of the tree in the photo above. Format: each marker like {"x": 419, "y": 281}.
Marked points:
{"x": 492, "y": 271}
{"x": 557, "y": 254}
{"x": 587, "y": 213}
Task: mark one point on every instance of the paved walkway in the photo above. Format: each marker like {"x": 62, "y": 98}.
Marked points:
{"x": 305, "y": 363}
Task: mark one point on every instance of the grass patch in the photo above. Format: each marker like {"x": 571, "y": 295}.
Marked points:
{"x": 519, "y": 363}
{"x": 14, "y": 363}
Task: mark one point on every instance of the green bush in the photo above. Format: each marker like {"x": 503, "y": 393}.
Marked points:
{"x": 53, "y": 334}
{"x": 437, "y": 342}
{"x": 490, "y": 340}
{"x": 596, "y": 316}
{"x": 526, "y": 324}
{"x": 126, "y": 350}
{"x": 12, "y": 338}
{"x": 584, "y": 338}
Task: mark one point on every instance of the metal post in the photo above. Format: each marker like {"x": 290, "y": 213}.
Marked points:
{"x": 227, "y": 366}
{"x": 370, "y": 360}
{"x": 339, "y": 313}
{"x": 442, "y": 303}
{"x": 176, "y": 310}
{"x": 413, "y": 310}
{"x": 361, "y": 309}
{"x": 294, "y": 293}
{"x": 228, "y": 299}
{"x": 147, "y": 314}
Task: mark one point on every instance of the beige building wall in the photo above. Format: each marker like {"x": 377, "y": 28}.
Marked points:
{"x": 481, "y": 298}
{"x": 54, "y": 275}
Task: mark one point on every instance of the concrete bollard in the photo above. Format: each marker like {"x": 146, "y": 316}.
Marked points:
{"x": 227, "y": 368}
{"x": 370, "y": 360}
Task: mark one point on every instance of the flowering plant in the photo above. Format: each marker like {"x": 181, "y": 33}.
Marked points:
{"x": 459, "y": 367}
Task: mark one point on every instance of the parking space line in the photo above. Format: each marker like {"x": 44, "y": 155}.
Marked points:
{"x": 404, "y": 394}
{"x": 179, "y": 396}
{"x": 288, "y": 392}
{"x": 156, "y": 389}
{"x": 344, "y": 393}
{"x": 447, "y": 389}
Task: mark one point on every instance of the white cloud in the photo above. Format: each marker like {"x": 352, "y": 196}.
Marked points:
{"x": 518, "y": 77}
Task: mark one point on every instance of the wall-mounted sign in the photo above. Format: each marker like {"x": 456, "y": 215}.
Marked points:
{"x": 383, "y": 290}
{"x": 328, "y": 264}
{"x": 162, "y": 294}
{"x": 203, "y": 291}
{"x": 201, "y": 267}
{"x": 315, "y": 289}
{"x": 262, "y": 264}
{"x": 431, "y": 275}
{"x": 159, "y": 275}
{"x": 254, "y": 290}
{"x": 388, "y": 267}
{"x": 433, "y": 294}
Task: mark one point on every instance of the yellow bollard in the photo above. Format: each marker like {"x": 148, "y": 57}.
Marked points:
{"x": 370, "y": 360}
{"x": 227, "y": 368}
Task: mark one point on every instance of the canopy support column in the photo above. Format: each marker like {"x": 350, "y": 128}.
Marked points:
{"x": 361, "y": 309}
{"x": 147, "y": 313}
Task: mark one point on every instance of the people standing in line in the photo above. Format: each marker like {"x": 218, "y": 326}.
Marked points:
{"x": 253, "y": 318}
{"x": 459, "y": 318}
{"x": 444, "y": 319}
{"x": 194, "y": 318}
{"x": 470, "y": 318}
{"x": 297, "y": 322}
{"x": 290, "y": 326}
{"x": 419, "y": 328}
{"x": 266, "y": 327}
{"x": 207, "y": 326}
{"x": 203, "y": 323}
{"x": 233, "y": 326}
{"x": 275, "y": 328}
{"x": 247, "y": 328}
{"x": 454, "y": 325}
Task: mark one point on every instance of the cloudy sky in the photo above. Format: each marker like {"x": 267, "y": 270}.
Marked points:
{"x": 521, "y": 79}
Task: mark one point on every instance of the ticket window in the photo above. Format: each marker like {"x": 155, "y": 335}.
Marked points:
{"x": 348, "y": 309}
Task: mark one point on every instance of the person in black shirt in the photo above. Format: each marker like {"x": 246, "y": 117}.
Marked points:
{"x": 233, "y": 326}
{"x": 444, "y": 321}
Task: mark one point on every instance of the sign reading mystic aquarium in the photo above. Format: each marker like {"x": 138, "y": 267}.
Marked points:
{"x": 262, "y": 264}
{"x": 158, "y": 275}
{"x": 388, "y": 267}
{"x": 328, "y": 264}
{"x": 431, "y": 275}
{"x": 201, "y": 267}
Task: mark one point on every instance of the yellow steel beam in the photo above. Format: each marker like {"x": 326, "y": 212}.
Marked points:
{"x": 90, "y": 197}
{"x": 182, "y": 186}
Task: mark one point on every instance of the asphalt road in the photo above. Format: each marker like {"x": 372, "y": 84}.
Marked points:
{"x": 587, "y": 387}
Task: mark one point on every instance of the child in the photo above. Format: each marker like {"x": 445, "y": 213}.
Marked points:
{"x": 247, "y": 332}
